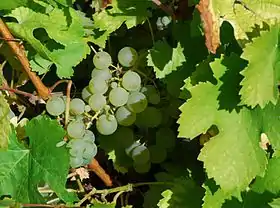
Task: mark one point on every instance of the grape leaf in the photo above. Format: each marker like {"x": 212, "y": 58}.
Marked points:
{"x": 245, "y": 15}
{"x": 275, "y": 203}
{"x": 183, "y": 194}
{"x": 233, "y": 157}
{"x": 165, "y": 59}
{"x": 22, "y": 170}
{"x": 12, "y": 4}
{"x": 55, "y": 41}
{"x": 163, "y": 203}
{"x": 270, "y": 181}
{"x": 130, "y": 12}
{"x": 5, "y": 129}
{"x": 259, "y": 86}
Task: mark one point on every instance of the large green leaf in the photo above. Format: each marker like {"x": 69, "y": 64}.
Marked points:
{"x": 22, "y": 170}
{"x": 259, "y": 86}
{"x": 233, "y": 157}
{"x": 52, "y": 36}
{"x": 165, "y": 59}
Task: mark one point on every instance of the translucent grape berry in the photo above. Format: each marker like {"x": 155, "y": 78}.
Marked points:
{"x": 106, "y": 124}
{"x": 131, "y": 81}
{"x": 102, "y": 60}
{"x": 55, "y": 106}
{"x": 127, "y": 56}
{"x": 118, "y": 96}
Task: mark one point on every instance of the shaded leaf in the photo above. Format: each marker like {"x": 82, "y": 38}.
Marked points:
{"x": 165, "y": 59}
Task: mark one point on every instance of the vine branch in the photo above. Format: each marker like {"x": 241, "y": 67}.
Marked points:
{"x": 100, "y": 172}
{"x": 42, "y": 90}
{"x": 165, "y": 8}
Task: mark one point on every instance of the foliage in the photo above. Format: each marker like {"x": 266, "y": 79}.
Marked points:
{"x": 177, "y": 100}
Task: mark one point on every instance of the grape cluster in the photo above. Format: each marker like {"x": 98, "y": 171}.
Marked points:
{"x": 81, "y": 145}
{"x": 115, "y": 95}
{"x": 114, "y": 100}
{"x": 163, "y": 22}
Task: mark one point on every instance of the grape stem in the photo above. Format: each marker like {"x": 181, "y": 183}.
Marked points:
{"x": 92, "y": 48}
{"x": 121, "y": 189}
{"x": 58, "y": 83}
{"x": 100, "y": 172}
{"x": 26, "y": 94}
{"x": 16, "y": 48}
{"x": 68, "y": 99}
{"x": 151, "y": 31}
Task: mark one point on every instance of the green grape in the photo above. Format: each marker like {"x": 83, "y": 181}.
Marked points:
{"x": 159, "y": 24}
{"x": 106, "y": 124}
{"x": 89, "y": 136}
{"x": 142, "y": 168}
{"x": 87, "y": 108}
{"x": 77, "y": 106}
{"x": 118, "y": 96}
{"x": 140, "y": 154}
{"x": 165, "y": 138}
{"x": 102, "y": 60}
{"x": 89, "y": 151}
{"x": 157, "y": 153}
{"x": 55, "y": 106}
{"x": 165, "y": 20}
{"x": 129, "y": 149}
{"x": 98, "y": 86}
{"x": 86, "y": 94}
{"x": 114, "y": 85}
{"x": 97, "y": 102}
{"x": 151, "y": 93}
{"x": 137, "y": 102}
{"x": 76, "y": 129}
{"x": 127, "y": 56}
{"x": 76, "y": 162}
{"x": 76, "y": 145}
{"x": 124, "y": 116}
{"x": 101, "y": 74}
{"x": 131, "y": 81}
{"x": 151, "y": 117}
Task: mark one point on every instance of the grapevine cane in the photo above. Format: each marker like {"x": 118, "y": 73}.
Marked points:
{"x": 42, "y": 90}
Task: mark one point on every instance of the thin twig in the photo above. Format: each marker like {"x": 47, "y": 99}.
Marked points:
{"x": 37, "y": 205}
{"x": 26, "y": 94}
{"x": 151, "y": 31}
{"x": 42, "y": 90}
{"x": 68, "y": 99}
{"x": 100, "y": 172}
{"x": 86, "y": 197}
{"x": 58, "y": 83}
